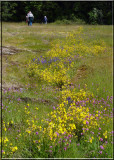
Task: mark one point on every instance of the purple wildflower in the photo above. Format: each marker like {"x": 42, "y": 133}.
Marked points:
{"x": 53, "y": 107}
{"x": 101, "y": 139}
{"x": 69, "y": 99}
{"x": 99, "y": 128}
{"x": 65, "y": 148}
{"x": 43, "y": 61}
{"x": 101, "y": 147}
{"x": 18, "y": 99}
{"x": 100, "y": 152}
{"x": 57, "y": 133}
{"x": 69, "y": 135}
{"x": 87, "y": 122}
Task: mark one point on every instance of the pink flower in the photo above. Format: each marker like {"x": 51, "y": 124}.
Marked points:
{"x": 53, "y": 107}
{"x": 57, "y": 133}
{"x": 101, "y": 147}
{"x": 87, "y": 122}
{"x": 65, "y": 148}
{"x": 101, "y": 139}
{"x": 100, "y": 152}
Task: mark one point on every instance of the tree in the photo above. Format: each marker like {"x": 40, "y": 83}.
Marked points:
{"x": 8, "y": 10}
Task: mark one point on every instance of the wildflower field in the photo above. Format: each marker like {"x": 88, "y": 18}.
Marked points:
{"x": 57, "y": 99}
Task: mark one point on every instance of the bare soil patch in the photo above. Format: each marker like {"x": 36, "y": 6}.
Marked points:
{"x": 81, "y": 73}
{"x": 11, "y": 86}
{"x": 9, "y": 50}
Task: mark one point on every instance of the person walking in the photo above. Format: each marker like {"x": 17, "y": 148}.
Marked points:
{"x": 27, "y": 19}
{"x": 31, "y": 17}
{"x": 45, "y": 19}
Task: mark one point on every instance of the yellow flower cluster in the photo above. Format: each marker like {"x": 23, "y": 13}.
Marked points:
{"x": 75, "y": 44}
{"x": 63, "y": 51}
{"x": 69, "y": 120}
{"x": 76, "y": 96}
{"x": 14, "y": 148}
{"x": 6, "y": 143}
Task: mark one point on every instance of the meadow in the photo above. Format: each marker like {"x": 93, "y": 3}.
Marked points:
{"x": 57, "y": 91}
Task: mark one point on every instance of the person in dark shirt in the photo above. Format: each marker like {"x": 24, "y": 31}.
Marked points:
{"x": 45, "y": 19}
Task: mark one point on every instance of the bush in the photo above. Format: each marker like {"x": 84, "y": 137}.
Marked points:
{"x": 74, "y": 20}
{"x": 64, "y": 21}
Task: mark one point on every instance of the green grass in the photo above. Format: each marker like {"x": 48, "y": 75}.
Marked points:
{"x": 98, "y": 74}
{"x": 33, "y": 42}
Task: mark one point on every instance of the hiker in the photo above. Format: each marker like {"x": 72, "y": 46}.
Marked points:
{"x": 45, "y": 19}
{"x": 27, "y": 19}
{"x": 31, "y": 17}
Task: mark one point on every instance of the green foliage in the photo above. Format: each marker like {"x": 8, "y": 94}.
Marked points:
{"x": 8, "y": 10}
{"x": 96, "y": 16}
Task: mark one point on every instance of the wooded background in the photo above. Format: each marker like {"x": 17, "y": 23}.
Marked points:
{"x": 90, "y": 12}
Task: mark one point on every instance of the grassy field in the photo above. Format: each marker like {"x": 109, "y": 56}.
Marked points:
{"x": 57, "y": 91}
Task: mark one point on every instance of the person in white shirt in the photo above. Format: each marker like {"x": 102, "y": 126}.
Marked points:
{"x": 30, "y": 17}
